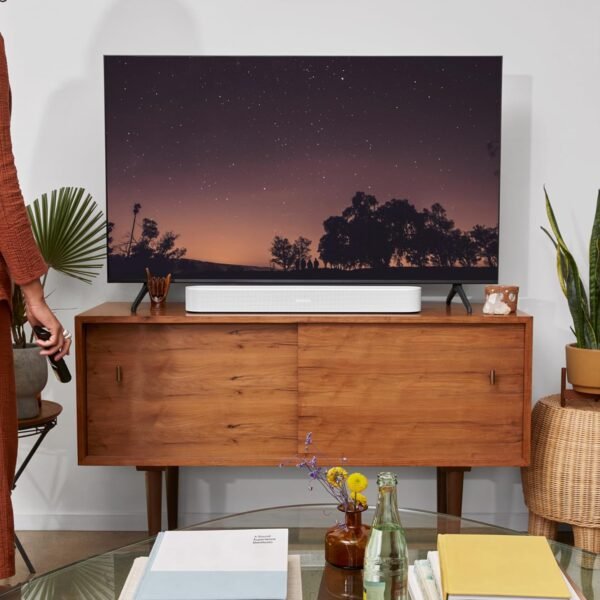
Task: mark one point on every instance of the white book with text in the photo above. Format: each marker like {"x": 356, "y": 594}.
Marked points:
{"x": 240, "y": 564}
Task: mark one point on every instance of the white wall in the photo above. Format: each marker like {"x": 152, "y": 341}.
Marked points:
{"x": 550, "y": 136}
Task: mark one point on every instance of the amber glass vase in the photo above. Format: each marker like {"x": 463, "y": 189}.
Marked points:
{"x": 340, "y": 584}
{"x": 345, "y": 542}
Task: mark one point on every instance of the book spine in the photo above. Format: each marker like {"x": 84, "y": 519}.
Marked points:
{"x": 139, "y": 592}
{"x": 426, "y": 580}
{"x": 443, "y": 567}
{"x": 415, "y": 592}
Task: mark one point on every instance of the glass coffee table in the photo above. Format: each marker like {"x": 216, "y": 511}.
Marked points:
{"x": 102, "y": 577}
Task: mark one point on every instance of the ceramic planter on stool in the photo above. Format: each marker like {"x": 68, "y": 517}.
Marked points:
{"x": 583, "y": 369}
{"x": 31, "y": 376}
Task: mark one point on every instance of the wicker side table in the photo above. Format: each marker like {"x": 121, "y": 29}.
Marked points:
{"x": 562, "y": 483}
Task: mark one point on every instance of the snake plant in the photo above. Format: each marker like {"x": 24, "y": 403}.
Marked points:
{"x": 585, "y": 312}
{"x": 70, "y": 232}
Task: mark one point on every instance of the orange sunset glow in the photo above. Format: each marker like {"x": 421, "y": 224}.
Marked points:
{"x": 230, "y": 153}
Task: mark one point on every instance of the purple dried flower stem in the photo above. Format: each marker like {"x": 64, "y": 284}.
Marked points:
{"x": 339, "y": 492}
{"x": 317, "y": 474}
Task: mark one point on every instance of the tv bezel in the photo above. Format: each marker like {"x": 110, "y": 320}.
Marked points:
{"x": 299, "y": 281}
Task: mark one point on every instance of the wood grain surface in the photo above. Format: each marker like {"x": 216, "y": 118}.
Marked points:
{"x": 174, "y": 312}
{"x": 215, "y": 394}
{"x": 242, "y": 389}
{"x": 412, "y": 394}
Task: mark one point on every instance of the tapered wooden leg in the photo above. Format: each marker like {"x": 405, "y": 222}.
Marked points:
{"x": 450, "y": 489}
{"x": 153, "y": 498}
{"x": 172, "y": 482}
{"x": 442, "y": 498}
{"x": 455, "y": 479}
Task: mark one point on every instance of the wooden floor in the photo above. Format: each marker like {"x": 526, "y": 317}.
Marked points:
{"x": 49, "y": 550}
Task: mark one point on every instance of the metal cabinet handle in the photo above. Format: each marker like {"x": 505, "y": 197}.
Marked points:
{"x": 119, "y": 374}
{"x": 493, "y": 376}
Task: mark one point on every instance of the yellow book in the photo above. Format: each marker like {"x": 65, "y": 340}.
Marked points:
{"x": 498, "y": 566}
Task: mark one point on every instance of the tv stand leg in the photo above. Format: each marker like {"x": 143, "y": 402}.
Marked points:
{"x": 139, "y": 298}
{"x": 153, "y": 498}
{"x": 450, "y": 489}
{"x": 442, "y": 494}
{"x": 457, "y": 288}
{"x": 172, "y": 483}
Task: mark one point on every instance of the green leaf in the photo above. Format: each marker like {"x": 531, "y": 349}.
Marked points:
{"x": 595, "y": 271}
{"x": 577, "y": 300}
{"x": 549, "y": 235}
{"x": 560, "y": 267}
{"x": 571, "y": 285}
{"x": 70, "y": 231}
{"x": 552, "y": 220}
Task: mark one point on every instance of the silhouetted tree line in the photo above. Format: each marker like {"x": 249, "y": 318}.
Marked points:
{"x": 150, "y": 244}
{"x": 292, "y": 256}
{"x": 372, "y": 235}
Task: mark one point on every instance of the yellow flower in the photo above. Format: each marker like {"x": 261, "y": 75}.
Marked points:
{"x": 336, "y": 476}
{"x": 357, "y": 482}
{"x": 359, "y": 499}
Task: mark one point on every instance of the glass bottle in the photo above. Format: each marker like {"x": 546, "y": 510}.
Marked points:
{"x": 385, "y": 574}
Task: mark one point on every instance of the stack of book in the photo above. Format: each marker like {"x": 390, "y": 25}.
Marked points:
{"x": 489, "y": 567}
{"x": 244, "y": 564}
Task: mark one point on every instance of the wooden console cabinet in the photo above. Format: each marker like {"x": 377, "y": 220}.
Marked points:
{"x": 439, "y": 388}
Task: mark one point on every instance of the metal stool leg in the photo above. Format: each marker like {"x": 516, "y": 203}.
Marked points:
{"x": 41, "y": 433}
{"x": 24, "y": 555}
{"x": 33, "y": 450}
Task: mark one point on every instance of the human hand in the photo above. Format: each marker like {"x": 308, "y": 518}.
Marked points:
{"x": 39, "y": 313}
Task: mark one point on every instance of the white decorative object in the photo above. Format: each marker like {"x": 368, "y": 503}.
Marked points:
{"x": 495, "y": 306}
{"x": 303, "y": 298}
{"x": 509, "y": 294}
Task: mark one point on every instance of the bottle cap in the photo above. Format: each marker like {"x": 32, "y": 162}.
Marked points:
{"x": 387, "y": 478}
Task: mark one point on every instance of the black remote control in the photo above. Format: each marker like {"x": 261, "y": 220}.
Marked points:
{"x": 59, "y": 367}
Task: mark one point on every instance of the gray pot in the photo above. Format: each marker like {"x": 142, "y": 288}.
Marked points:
{"x": 31, "y": 376}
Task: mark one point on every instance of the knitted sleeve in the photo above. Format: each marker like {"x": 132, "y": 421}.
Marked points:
{"x": 17, "y": 245}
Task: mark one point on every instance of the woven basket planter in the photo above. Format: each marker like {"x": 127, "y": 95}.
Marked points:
{"x": 562, "y": 483}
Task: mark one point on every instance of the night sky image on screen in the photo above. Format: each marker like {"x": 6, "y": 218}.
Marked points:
{"x": 303, "y": 168}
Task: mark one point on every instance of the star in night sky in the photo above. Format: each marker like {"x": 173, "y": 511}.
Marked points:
{"x": 230, "y": 151}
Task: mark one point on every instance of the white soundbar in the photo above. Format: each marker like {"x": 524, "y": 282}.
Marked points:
{"x": 303, "y": 299}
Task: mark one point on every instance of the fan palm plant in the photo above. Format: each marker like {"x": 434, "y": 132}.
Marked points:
{"x": 70, "y": 231}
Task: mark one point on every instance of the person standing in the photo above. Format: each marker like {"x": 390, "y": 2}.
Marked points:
{"x": 20, "y": 263}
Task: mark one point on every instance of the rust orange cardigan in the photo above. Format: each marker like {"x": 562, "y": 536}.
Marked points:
{"x": 20, "y": 258}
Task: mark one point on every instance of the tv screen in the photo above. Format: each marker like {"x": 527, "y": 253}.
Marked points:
{"x": 303, "y": 168}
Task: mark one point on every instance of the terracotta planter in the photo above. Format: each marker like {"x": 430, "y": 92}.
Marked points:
{"x": 583, "y": 369}
{"x": 31, "y": 376}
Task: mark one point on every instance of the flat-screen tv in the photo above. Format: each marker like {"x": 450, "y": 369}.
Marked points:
{"x": 303, "y": 168}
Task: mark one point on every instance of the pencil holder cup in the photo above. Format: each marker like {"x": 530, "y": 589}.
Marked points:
{"x": 158, "y": 288}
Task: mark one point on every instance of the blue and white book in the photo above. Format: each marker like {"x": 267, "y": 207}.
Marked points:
{"x": 236, "y": 564}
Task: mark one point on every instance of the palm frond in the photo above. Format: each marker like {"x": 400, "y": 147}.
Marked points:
{"x": 70, "y": 232}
